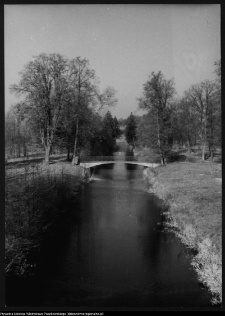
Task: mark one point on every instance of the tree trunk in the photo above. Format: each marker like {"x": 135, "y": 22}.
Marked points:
{"x": 203, "y": 143}
{"x": 11, "y": 150}
{"x": 68, "y": 154}
{"x": 24, "y": 150}
{"x": 189, "y": 143}
{"x": 18, "y": 146}
{"x": 75, "y": 144}
{"x": 158, "y": 136}
{"x": 47, "y": 153}
{"x": 163, "y": 161}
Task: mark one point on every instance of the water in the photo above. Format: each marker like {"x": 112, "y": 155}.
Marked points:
{"x": 114, "y": 252}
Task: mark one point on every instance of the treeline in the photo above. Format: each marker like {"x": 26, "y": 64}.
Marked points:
{"x": 62, "y": 110}
{"x": 193, "y": 120}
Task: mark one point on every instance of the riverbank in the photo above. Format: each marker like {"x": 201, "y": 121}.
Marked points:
{"x": 193, "y": 193}
{"x": 36, "y": 201}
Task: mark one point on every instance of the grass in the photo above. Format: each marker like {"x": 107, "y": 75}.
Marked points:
{"x": 36, "y": 199}
{"x": 193, "y": 192}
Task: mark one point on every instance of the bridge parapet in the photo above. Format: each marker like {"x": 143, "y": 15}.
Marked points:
{"x": 108, "y": 158}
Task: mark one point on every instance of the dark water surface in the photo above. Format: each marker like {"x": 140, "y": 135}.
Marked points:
{"x": 114, "y": 252}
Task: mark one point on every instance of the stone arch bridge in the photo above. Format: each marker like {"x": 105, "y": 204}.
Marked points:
{"x": 93, "y": 161}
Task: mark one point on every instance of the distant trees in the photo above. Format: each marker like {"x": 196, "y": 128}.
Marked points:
{"x": 217, "y": 103}
{"x": 157, "y": 94}
{"x": 63, "y": 108}
{"x": 131, "y": 130}
{"x": 18, "y": 132}
{"x": 117, "y": 130}
{"x": 194, "y": 119}
{"x": 108, "y": 134}
{"x": 185, "y": 123}
{"x": 201, "y": 98}
{"x": 61, "y": 96}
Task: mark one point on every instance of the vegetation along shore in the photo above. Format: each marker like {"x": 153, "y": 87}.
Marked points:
{"x": 193, "y": 193}
{"x": 38, "y": 200}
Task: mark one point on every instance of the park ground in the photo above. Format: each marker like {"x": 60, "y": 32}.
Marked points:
{"x": 192, "y": 190}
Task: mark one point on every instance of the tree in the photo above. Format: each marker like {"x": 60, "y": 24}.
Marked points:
{"x": 18, "y": 132}
{"x": 185, "y": 123}
{"x": 11, "y": 132}
{"x": 45, "y": 86}
{"x": 117, "y": 130}
{"x": 146, "y": 131}
{"x": 131, "y": 130}
{"x": 157, "y": 94}
{"x": 107, "y": 99}
{"x": 59, "y": 95}
{"x": 201, "y": 96}
{"x": 108, "y": 137}
{"x": 85, "y": 93}
{"x": 96, "y": 139}
{"x": 217, "y": 104}
{"x": 82, "y": 88}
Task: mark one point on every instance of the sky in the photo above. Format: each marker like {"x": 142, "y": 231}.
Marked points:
{"x": 123, "y": 43}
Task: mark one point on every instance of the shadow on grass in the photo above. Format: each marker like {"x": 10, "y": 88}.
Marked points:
{"x": 181, "y": 158}
{"x": 34, "y": 161}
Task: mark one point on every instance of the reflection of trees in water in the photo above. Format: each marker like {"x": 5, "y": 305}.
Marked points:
{"x": 151, "y": 235}
{"x": 130, "y": 167}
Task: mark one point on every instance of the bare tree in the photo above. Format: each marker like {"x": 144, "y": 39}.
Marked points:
{"x": 44, "y": 83}
{"x": 82, "y": 87}
{"x": 201, "y": 96}
{"x": 157, "y": 95}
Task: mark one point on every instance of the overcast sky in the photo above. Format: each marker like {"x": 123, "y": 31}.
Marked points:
{"x": 123, "y": 43}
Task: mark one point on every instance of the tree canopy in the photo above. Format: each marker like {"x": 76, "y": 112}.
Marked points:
{"x": 59, "y": 97}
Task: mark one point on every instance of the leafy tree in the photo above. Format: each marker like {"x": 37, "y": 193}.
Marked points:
{"x": 157, "y": 95}
{"x": 108, "y": 138}
{"x": 95, "y": 142}
{"x": 117, "y": 130}
{"x": 45, "y": 86}
{"x": 131, "y": 130}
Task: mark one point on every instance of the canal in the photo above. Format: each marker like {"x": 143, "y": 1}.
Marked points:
{"x": 114, "y": 252}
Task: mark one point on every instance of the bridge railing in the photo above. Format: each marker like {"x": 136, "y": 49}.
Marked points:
{"x": 114, "y": 158}
{"x": 107, "y": 158}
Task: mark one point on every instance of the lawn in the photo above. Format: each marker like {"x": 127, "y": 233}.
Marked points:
{"x": 193, "y": 192}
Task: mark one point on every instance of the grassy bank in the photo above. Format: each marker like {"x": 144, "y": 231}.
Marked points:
{"x": 193, "y": 192}
{"x": 35, "y": 200}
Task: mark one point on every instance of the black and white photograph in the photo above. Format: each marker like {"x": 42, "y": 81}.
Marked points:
{"x": 113, "y": 157}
